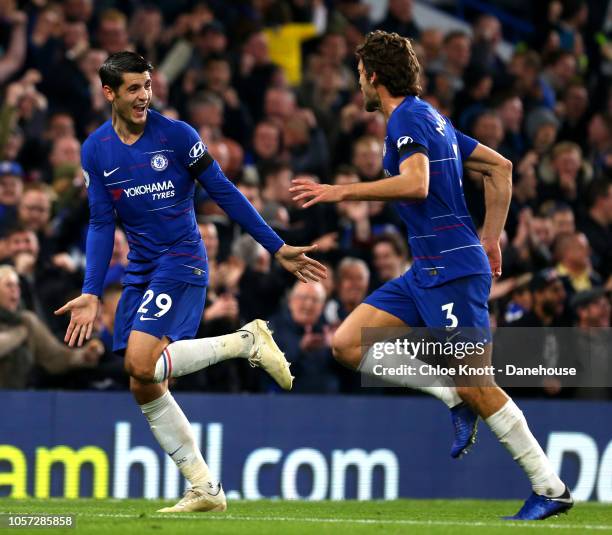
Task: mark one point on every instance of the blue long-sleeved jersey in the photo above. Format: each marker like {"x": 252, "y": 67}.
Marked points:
{"x": 441, "y": 234}
{"x": 149, "y": 186}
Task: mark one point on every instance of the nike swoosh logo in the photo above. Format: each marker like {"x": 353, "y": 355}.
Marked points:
{"x": 171, "y": 454}
{"x": 217, "y": 493}
{"x": 109, "y": 173}
{"x": 147, "y": 319}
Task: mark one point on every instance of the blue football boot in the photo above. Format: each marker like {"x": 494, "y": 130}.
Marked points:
{"x": 465, "y": 422}
{"x": 538, "y": 507}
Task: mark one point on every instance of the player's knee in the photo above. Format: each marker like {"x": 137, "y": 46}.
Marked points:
{"x": 474, "y": 395}
{"x": 344, "y": 352}
{"x": 143, "y": 374}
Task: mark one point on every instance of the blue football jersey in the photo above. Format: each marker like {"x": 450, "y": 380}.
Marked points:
{"x": 149, "y": 186}
{"x": 441, "y": 234}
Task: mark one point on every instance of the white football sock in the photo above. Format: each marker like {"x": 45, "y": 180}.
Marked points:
{"x": 188, "y": 356}
{"x": 441, "y": 387}
{"x": 174, "y": 434}
{"x": 510, "y": 427}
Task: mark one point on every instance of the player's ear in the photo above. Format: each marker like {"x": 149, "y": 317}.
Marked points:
{"x": 109, "y": 93}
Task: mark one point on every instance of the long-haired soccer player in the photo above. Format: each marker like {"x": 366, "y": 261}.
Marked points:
{"x": 141, "y": 167}
{"x": 449, "y": 282}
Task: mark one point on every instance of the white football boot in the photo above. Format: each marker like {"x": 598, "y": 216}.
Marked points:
{"x": 199, "y": 500}
{"x": 267, "y": 355}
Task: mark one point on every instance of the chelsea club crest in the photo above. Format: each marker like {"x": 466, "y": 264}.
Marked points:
{"x": 159, "y": 162}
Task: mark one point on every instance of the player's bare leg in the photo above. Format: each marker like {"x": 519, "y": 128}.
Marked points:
{"x": 347, "y": 349}
{"x": 253, "y": 341}
{"x": 506, "y": 420}
{"x": 170, "y": 426}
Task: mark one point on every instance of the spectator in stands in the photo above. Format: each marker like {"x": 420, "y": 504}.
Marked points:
{"x": 431, "y": 41}
{"x": 597, "y": 225}
{"x": 400, "y": 19}
{"x": 34, "y": 213}
{"x": 334, "y": 52}
{"x": 524, "y": 191}
{"x": 353, "y": 277}
{"x": 109, "y": 373}
{"x": 549, "y": 298}
{"x": 256, "y": 73}
{"x": 205, "y": 110}
{"x": 367, "y": 158}
{"x": 509, "y": 106}
{"x": 563, "y": 219}
{"x": 473, "y": 98}
{"x": 560, "y": 70}
{"x": 390, "y": 258}
{"x": 542, "y": 126}
{"x": 44, "y": 285}
{"x": 26, "y": 341}
{"x": 119, "y": 259}
{"x": 563, "y": 175}
{"x": 11, "y": 190}
{"x": 237, "y": 122}
{"x": 591, "y": 344}
{"x": 456, "y": 55}
{"x": 533, "y": 347}
{"x": 488, "y": 129}
{"x": 574, "y": 107}
{"x": 307, "y": 148}
{"x": 302, "y": 334}
{"x": 600, "y": 142}
{"x": 572, "y": 252}
{"x": 112, "y": 32}
{"x": 267, "y": 143}
{"x": 14, "y": 57}
{"x": 525, "y": 69}
{"x": 487, "y": 38}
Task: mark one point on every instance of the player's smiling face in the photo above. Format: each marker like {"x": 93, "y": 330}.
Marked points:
{"x": 133, "y": 97}
{"x": 370, "y": 95}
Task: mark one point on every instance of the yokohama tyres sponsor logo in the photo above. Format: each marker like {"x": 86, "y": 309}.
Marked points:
{"x": 155, "y": 188}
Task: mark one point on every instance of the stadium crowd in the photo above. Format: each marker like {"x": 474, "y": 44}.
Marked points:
{"x": 271, "y": 86}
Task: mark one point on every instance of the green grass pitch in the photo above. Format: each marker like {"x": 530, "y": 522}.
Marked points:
{"x": 126, "y": 517}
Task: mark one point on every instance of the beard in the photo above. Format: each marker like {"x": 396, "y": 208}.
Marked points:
{"x": 372, "y": 103}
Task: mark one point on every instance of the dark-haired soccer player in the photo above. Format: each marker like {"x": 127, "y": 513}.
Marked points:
{"x": 142, "y": 167}
{"x": 449, "y": 282}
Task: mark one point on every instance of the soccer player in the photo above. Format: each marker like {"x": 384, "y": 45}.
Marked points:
{"x": 449, "y": 282}
{"x": 141, "y": 167}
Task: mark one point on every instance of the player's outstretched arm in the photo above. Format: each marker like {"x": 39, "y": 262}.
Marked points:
{"x": 294, "y": 260}
{"x": 411, "y": 183}
{"x": 83, "y": 312}
{"x": 497, "y": 175}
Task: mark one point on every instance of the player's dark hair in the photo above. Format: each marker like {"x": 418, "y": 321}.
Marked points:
{"x": 394, "y": 61}
{"x": 112, "y": 70}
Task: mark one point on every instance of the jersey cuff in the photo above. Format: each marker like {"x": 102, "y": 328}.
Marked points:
{"x": 197, "y": 167}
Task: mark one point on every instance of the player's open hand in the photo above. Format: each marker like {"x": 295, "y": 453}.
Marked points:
{"x": 493, "y": 251}
{"x": 313, "y": 192}
{"x": 83, "y": 312}
{"x": 294, "y": 260}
